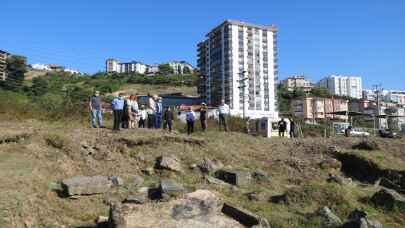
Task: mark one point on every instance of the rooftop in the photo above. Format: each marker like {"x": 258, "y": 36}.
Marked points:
{"x": 272, "y": 28}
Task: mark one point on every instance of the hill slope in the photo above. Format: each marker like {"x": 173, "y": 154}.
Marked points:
{"x": 36, "y": 156}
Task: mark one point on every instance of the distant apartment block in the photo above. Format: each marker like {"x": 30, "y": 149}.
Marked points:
{"x": 315, "y": 108}
{"x": 113, "y": 65}
{"x": 181, "y": 67}
{"x": 178, "y": 67}
{"x": 297, "y": 82}
{"x": 233, "y": 51}
{"x": 343, "y": 85}
{"x": 395, "y": 96}
{"x": 3, "y": 64}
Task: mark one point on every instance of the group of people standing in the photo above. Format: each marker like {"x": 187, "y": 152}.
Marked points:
{"x": 128, "y": 114}
{"x": 282, "y": 128}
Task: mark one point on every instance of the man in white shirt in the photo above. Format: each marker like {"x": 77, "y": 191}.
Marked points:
{"x": 223, "y": 111}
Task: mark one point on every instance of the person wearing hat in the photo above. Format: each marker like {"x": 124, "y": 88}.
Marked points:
{"x": 96, "y": 110}
{"x": 203, "y": 116}
{"x": 142, "y": 117}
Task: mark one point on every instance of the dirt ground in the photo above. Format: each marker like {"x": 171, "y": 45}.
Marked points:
{"x": 36, "y": 156}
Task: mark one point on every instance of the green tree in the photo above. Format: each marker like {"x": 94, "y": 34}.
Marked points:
{"x": 186, "y": 70}
{"x": 165, "y": 69}
{"x": 39, "y": 86}
{"x": 16, "y": 68}
{"x": 320, "y": 92}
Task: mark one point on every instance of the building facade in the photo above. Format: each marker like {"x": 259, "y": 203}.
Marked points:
{"x": 343, "y": 85}
{"x": 3, "y": 64}
{"x": 316, "y": 108}
{"x": 395, "y": 96}
{"x": 114, "y": 66}
{"x": 297, "y": 82}
{"x": 238, "y": 63}
{"x": 181, "y": 67}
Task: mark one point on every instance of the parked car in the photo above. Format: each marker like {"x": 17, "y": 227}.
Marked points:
{"x": 387, "y": 133}
{"x": 359, "y": 132}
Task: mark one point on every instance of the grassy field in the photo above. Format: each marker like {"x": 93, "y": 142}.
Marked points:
{"x": 33, "y": 167}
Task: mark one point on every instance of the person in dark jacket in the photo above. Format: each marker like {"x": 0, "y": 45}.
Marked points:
{"x": 125, "y": 115}
{"x": 168, "y": 117}
{"x": 292, "y": 128}
{"x": 282, "y": 126}
{"x": 203, "y": 116}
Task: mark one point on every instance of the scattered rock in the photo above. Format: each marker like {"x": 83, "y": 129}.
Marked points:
{"x": 329, "y": 219}
{"x": 257, "y": 196}
{"x": 366, "y": 145}
{"x": 193, "y": 166}
{"x": 213, "y": 180}
{"x": 389, "y": 199}
{"x": 339, "y": 179}
{"x": 330, "y": 163}
{"x": 171, "y": 188}
{"x": 210, "y": 166}
{"x": 135, "y": 180}
{"x": 102, "y": 222}
{"x": 149, "y": 171}
{"x": 261, "y": 175}
{"x": 116, "y": 181}
{"x": 170, "y": 162}
{"x": 239, "y": 178}
{"x": 359, "y": 219}
{"x": 333, "y": 150}
{"x": 83, "y": 185}
{"x": 244, "y": 217}
{"x": 137, "y": 198}
{"x": 279, "y": 199}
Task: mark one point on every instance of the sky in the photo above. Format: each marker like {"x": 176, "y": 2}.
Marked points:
{"x": 316, "y": 37}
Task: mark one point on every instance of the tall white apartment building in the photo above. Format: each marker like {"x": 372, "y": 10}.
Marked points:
{"x": 343, "y": 85}
{"x": 113, "y": 65}
{"x": 233, "y": 51}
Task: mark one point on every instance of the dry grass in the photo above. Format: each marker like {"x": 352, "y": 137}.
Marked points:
{"x": 35, "y": 165}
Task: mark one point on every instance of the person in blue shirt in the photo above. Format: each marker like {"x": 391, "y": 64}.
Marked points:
{"x": 190, "y": 118}
{"x": 159, "y": 113}
{"x": 118, "y": 109}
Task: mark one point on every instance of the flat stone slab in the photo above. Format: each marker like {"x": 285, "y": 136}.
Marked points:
{"x": 85, "y": 185}
{"x": 239, "y": 178}
{"x": 171, "y": 188}
{"x": 244, "y": 217}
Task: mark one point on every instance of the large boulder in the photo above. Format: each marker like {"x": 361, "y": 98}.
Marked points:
{"x": 84, "y": 185}
{"x": 199, "y": 209}
{"x": 328, "y": 218}
{"x": 169, "y": 162}
{"x": 389, "y": 199}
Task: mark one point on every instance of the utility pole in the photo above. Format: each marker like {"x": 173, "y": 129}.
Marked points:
{"x": 242, "y": 86}
{"x": 377, "y": 89}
